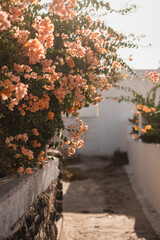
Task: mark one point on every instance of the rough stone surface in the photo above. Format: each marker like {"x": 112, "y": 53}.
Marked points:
{"x": 103, "y": 206}
{"x": 40, "y": 222}
{"x": 39, "y": 219}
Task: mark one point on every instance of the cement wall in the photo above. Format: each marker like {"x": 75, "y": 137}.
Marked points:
{"x": 28, "y": 205}
{"x": 145, "y": 164}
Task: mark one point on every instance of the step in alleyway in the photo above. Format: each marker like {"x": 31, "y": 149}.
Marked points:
{"x": 102, "y": 205}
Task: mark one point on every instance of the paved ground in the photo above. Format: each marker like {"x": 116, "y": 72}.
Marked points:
{"x": 103, "y": 206}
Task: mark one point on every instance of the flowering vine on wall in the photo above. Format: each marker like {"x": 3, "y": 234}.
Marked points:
{"x": 54, "y": 60}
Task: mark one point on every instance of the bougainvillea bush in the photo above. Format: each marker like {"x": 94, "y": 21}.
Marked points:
{"x": 54, "y": 60}
{"x": 146, "y": 115}
{"x": 146, "y": 119}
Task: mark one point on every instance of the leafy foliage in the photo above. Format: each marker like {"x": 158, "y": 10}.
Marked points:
{"x": 54, "y": 60}
{"x": 149, "y": 108}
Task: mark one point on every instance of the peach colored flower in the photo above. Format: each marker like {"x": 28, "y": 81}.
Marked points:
{"x": 25, "y": 137}
{"x": 4, "y": 22}
{"x": 20, "y": 170}
{"x": 143, "y": 130}
{"x": 35, "y": 144}
{"x": 51, "y": 116}
{"x": 130, "y": 58}
{"x": 153, "y": 109}
{"x": 136, "y": 128}
{"x": 29, "y": 171}
{"x": 35, "y": 131}
{"x": 5, "y": 94}
{"x": 7, "y": 140}
{"x": 148, "y": 127}
{"x": 35, "y": 50}
{"x": 153, "y": 76}
{"x": 45, "y": 158}
{"x": 70, "y": 62}
{"x": 21, "y": 35}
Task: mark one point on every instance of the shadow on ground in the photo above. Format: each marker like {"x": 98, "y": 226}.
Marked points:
{"x": 102, "y": 205}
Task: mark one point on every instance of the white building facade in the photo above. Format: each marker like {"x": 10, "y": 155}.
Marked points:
{"x": 108, "y": 122}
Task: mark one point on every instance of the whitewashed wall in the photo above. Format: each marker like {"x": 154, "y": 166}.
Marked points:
{"x": 107, "y": 122}
{"x": 145, "y": 165}
{"x": 17, "y": 196}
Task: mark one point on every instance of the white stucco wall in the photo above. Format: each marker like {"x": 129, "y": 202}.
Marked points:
{"x": 107, "y": 123}
{"x": 145, "y": 165}
{"x": 18, "y": 194}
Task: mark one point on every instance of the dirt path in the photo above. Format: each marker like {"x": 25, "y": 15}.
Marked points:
{"x": 103, "y": 206}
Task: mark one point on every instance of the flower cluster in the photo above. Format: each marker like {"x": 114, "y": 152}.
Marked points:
{"x": 54, "y": 62}
{"x": 146, "y": 123}
{"x": 153, "y": 76}
{"x": 13, "y": 142}
{"x": 75, "y": 132}
{"x": 11, "y": 85}
{"x": 44, "y": 29}
{"x": 4, "y": 22}
{"x": 63, "y": 9}
{"x": 144, "y": 108}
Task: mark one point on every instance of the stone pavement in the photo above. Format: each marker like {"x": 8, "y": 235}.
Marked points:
{"x": 103, "y": 206}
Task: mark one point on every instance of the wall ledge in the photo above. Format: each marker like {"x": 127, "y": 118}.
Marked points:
{"x": 18, "y": 194}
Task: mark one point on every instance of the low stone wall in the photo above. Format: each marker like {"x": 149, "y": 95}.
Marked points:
{"x": 30, "y": 206}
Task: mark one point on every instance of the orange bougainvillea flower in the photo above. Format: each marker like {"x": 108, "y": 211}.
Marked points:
{"x": 148, "y": 127}
{"x": 69, "y": 111}
{"x": 29, "y": 171}
{"x": 50, "y": 116}
{"x": 73, "y": 109}
{"x": 133, "y": 136}
{"x": 153, "y": 76}
{"x": 45, "y": 158}
{"x": 70, "y": 62}
{"x": 4, "y": 22}
{"x": 136, "y": 128}
{"x": 130, "y": 58}
{"x": 153, "y": 109}
{"x": 40, "y": 158}
{"x": 35, "y": 144}
{"x": 139, "y": 106}
{"x": 143, "y": 130}
{"x": 35, "y": 132}
{"x": 6, "y": 92}
{"x": 20, "y": 170}
{"x": 146, "y": 109}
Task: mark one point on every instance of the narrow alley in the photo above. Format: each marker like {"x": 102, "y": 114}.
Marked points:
{"x": 102, "y": 204}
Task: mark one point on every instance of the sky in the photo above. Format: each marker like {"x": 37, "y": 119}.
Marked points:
{"x": 145, "y": 20}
